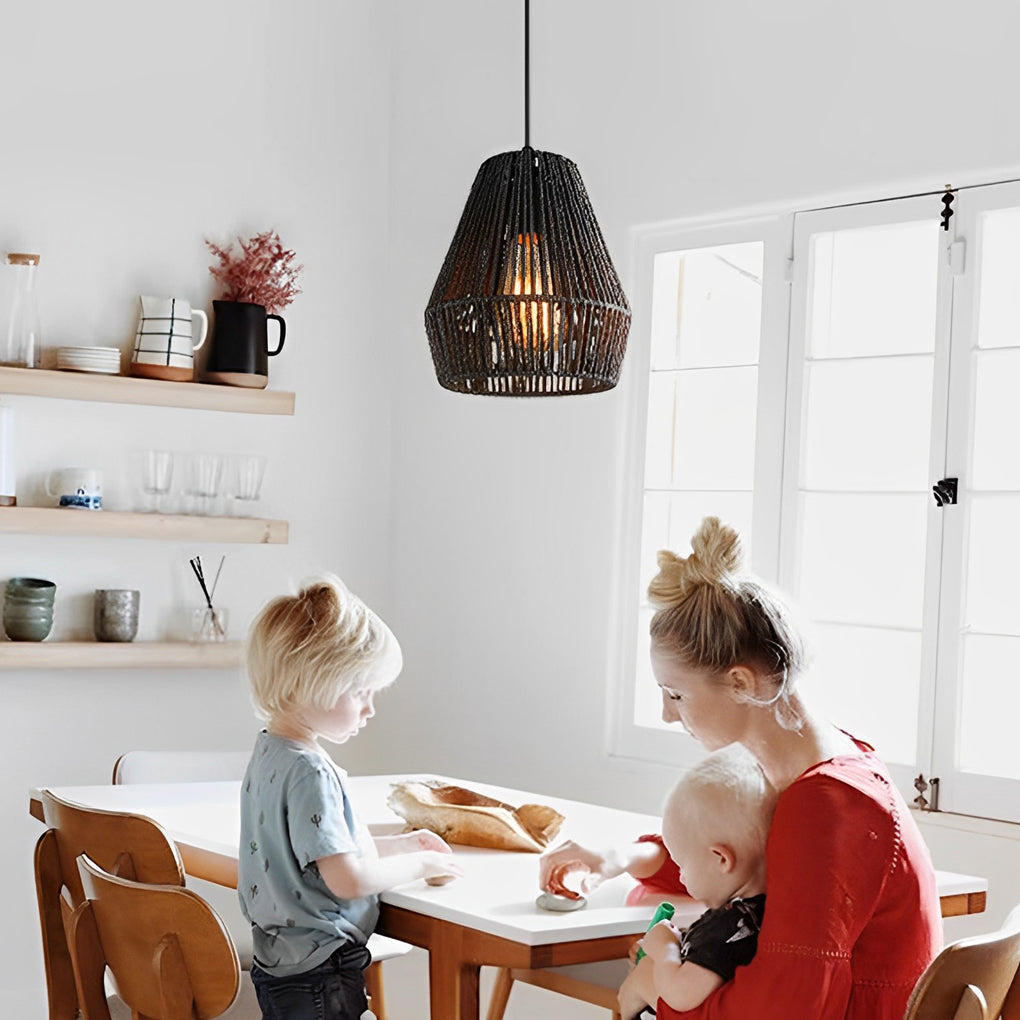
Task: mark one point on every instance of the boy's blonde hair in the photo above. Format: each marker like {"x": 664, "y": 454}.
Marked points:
{"x": 712, "y": 617}
{"x": 724, "y": 799}
{"x": 305, "y": 650}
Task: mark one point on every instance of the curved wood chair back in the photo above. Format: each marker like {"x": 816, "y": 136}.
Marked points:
{"x": 972, "y": 979}
{"x": 169, "y": 953}
{"x": 125, "y": 844}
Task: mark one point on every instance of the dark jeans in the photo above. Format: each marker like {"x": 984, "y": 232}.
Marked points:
{"x": 335, "y": 990}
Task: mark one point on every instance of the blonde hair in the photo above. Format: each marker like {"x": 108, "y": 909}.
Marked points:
{"x": 306, "y": 650}
{"x": 725, "y": 799}
{"x": 711, "y": 617}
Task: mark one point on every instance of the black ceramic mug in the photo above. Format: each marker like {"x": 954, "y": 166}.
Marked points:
{"x": 240, "y": 346}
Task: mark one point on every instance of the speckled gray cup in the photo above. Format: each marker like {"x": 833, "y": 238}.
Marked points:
{"x": 116, "y": 614}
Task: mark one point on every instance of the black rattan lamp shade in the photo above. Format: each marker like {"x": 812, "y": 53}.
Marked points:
{"x": 528, "y": 302}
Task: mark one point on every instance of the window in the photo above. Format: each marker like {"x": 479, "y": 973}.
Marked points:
{"x": 814, "y": 403}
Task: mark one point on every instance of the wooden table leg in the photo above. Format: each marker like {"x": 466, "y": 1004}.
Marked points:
{"x": 453, "y": 977}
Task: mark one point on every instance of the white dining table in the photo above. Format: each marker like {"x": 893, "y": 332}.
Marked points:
{"x": 486, "y": 918}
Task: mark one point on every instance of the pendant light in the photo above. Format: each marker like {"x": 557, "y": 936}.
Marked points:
{"x": 527, "y": 302}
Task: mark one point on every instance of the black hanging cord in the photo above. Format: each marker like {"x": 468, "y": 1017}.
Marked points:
{"x": 527, "y": 74}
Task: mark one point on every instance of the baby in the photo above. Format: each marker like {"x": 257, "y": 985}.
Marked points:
{"x": 714, "y": 826}
{"x": 309, "y": 874}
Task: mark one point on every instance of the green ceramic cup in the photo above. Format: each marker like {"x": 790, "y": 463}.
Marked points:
{"x": 28, "y": 608}
{"x": 30, "y": 589}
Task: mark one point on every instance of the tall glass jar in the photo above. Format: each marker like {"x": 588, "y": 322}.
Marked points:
{"x": 21, "y": 343}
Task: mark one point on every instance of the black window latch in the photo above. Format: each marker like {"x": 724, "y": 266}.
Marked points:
{"x": 944, "y": 491}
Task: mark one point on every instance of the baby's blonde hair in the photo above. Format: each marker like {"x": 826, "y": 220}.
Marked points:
{"x": 724, "y": 799}
{"x": 711, "y": 617}
{"x": 305, "y": 650}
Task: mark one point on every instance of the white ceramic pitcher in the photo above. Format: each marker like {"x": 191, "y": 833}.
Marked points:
{"x": 164, "y": 342}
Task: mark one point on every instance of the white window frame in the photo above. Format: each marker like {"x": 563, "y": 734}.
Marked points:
{"x": 779, "y": 414}
{"x": 626, "y": 739}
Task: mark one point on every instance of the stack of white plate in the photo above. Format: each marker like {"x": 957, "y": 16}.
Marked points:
{"x": 89, "y": 359}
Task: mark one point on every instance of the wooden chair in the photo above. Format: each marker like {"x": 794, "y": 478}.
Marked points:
{"x": 124, "y": 844}
{"x": 972, "y": 979}
{"x": 168, "y": 951}
{"x": 213, "y": 766}
{"x": 595, "y": 983}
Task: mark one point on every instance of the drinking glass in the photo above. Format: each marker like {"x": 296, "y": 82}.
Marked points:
{"x": 202, "y": 476}
{"x": 245, "y": 482}
{"x": 157, "y": 472}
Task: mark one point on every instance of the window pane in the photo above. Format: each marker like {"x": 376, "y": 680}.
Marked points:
{"x": 715, "y": 414}
{"x": 862, "y": 558}
{"x": 706, "y": 306}
{"x": 647, "y": 699}
{"x": 872, "y": 290}
{"x": 993, "y": 565}
{"x": 867, "y": 424}
{"x": 999, "y": 303}
{"x": 654, "y": 536}
{"x": 996, "y": 420}
{"x": 661, "y": 427}
{"x": 867, "y": 681}
{"x": 990, "y": 705}
{"x": 687, "y": 509}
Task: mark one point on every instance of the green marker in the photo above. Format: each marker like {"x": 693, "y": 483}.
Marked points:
{"x": 663, "y": 912}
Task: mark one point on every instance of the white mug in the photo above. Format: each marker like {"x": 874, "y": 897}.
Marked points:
{"x": 164, "y": 342}
{"x": 78, "y": 488}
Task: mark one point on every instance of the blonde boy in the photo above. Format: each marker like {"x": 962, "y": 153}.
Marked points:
{"x": 309, "y": 873}
{"x": 714, "y": 826}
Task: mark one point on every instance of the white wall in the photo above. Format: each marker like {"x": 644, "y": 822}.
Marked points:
{"x": 130, "y": 132}
{"x": 504, "y": 510}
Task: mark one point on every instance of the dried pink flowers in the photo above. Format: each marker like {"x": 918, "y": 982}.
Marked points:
{"x": 263, "y": 273}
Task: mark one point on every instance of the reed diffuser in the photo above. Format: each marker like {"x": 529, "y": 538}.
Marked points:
{"x": 210, "y": 623}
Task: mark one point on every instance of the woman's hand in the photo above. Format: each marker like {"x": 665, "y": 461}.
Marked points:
{"x": 585, "y": 868}
{"x": 660, "y": 939}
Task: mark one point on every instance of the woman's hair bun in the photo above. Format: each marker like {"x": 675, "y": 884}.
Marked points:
{"x": 716, "y": 556}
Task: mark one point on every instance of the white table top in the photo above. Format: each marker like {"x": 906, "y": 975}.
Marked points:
{"x": 497, "y": 892}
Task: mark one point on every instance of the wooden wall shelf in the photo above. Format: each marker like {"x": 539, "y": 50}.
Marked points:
{"x": 125, "y": 389}
{"x": 38, "y": 520}
{"x": 120, "y": 655}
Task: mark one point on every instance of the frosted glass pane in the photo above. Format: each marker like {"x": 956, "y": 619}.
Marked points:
{"x": 867, "y": 424}
{"x": 990, "y": 706}
{"x": 862, "y": 558}
{"x": 993, "y": 565}
{"x": 687, "y": 510}
{"x": 995, "y": 464}
{"x": 868, "y": 682}
{"x": 706, "y": 306}
{"x": 715, "y": 418}
{"x": 659, "y": 437}
{"x": 872, "y": 290}
{"x": 999, "y": 300}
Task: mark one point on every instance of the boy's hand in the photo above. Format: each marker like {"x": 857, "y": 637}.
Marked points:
{"x": 411, "y": 842}
{"x": 440, "y": 865}
{"x": 660, "y": 938}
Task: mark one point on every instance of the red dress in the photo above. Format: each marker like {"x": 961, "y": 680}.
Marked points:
{"x": 852, "y": 916}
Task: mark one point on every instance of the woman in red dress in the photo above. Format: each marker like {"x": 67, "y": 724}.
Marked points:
{"x": 852, "y": 916}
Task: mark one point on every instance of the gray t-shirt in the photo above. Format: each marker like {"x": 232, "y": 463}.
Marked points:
{"x": 295, "y": 810}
